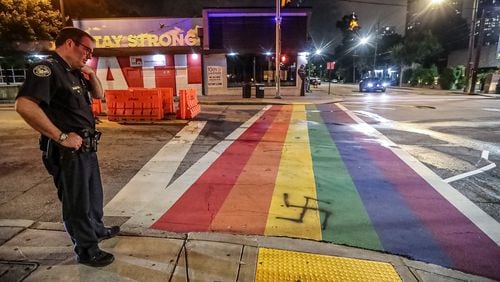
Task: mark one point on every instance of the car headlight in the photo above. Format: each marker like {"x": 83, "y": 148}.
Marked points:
{"x": 385, "y": 84}
{"x": 369, "y": 84}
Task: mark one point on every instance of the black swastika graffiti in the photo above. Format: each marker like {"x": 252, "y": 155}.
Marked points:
{"x": 306, "y": 208}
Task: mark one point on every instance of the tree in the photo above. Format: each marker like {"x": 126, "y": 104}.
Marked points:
{"x": 384, "y": 45}
{"x": 447, "y": 78}
{"x": 346, "y": 55}
{"x": 23, "y": 21}
{"x": 416, "y": 48}
{"x": 100, "y": 8}
{"x": 450, "y": 28}
{"x": 349, "y": 26}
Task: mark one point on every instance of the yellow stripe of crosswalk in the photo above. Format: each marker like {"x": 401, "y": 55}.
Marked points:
{"x": 293, "y": 210}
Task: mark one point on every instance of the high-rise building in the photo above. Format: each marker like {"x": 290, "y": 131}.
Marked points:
{"x": 387, "y": 30}
{"x": 490, "y": 12}
{"x": 489, "y": 9}
{"x": 418, "y": 11}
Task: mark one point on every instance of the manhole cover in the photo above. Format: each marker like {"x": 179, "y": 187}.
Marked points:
{"x": 16, "y": 271}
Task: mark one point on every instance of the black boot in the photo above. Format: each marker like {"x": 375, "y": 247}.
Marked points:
{"x": 99, "y": 259}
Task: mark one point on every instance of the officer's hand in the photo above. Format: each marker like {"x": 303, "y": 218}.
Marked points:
{"x": 87, "y": 70}
{"x": 73, "y": 141}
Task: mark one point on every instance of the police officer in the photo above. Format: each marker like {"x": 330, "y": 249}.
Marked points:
{"x": 56, "y": 101}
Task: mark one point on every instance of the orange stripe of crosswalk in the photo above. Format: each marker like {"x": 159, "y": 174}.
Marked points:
{"x": 246, "y": 208}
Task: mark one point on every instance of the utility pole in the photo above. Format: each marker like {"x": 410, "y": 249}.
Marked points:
{"x": 278, "y": 49}
{"x": 475, "y": 66}
{"x": 376, "y": 46}
{"x": 202, "y": 60}
{"x": 354, "y": 67}
{"x": 468, "y": 71}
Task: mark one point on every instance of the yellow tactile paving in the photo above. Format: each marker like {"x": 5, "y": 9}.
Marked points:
{"x": 279, "y": 265}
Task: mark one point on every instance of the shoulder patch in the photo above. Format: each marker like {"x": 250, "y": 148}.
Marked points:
{"x": 42, "y": 71}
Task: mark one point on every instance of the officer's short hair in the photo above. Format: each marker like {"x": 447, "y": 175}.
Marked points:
{"x": 72, "y": 33}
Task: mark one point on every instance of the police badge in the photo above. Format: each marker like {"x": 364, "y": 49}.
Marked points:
{"x": 42, "y": 71}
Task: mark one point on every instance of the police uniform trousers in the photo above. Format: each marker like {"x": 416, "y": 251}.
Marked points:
{"x": 77, "y": 178}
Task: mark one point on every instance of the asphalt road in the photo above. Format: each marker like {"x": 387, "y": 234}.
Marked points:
{"x": 453, "y": 135}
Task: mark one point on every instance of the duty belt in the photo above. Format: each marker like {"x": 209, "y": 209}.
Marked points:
{"x": 90, "y": 139}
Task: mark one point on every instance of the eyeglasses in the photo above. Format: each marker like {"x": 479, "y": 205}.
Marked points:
{"x": 87, "y": 49}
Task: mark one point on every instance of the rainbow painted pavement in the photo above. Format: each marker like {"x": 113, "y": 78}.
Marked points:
{"x": 312, "y": 171}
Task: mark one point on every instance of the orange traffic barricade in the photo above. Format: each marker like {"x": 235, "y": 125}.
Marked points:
{"x": 188, "y": 104}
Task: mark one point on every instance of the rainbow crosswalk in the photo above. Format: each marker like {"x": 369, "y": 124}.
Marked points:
{"x": 307, "y": 171}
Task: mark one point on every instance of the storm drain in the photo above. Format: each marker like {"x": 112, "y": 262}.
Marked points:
{"x": 16, "y": 271}
{"x": 280, "y": 265}
{"x": 425, "y": 107}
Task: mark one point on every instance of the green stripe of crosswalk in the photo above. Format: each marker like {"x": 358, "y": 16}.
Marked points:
{"x": 344, "y": 218}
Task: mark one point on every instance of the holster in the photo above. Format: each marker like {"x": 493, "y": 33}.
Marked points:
{"x": 90, "y": 139}
{"x": 50, "y": 153}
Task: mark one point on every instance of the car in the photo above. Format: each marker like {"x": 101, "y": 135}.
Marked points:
{"x": 315, "y": 81}
{"x": 371, "y": 84}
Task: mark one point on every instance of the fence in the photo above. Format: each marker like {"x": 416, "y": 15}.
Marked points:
{"x": 12, "y": 75}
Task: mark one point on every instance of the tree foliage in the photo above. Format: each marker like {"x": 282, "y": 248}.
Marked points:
{"x": 77, "y": 9}
{"x": 416, "y": 48}
{"x": 424, "y": 76}
{"x": 25, "y": 21}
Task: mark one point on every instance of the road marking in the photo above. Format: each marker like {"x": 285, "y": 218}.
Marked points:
{"x": 470, "y": 173}
{"x": 166, "y": 197}
{"x": 296, "y": 153}
{"x": 155, "y": 174}
{"x": 481, "y": 219}
{"x": 491, "y": 110}
{"x": 373, "y": 116}
{"x": 382, "y": 108}
{"x": 484, "y": 155}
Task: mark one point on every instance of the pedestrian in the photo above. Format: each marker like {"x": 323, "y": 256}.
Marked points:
{"x": 55, "y": 100}
{"x": 302, "y": 75}
{"x": 308, "y": 81}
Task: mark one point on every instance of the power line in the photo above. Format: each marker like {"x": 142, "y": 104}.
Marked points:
{"x": 373, "y": 3}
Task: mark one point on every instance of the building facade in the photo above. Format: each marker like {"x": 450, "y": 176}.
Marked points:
{"x": 215, "y": 54}
{"x": 146, "y": 53}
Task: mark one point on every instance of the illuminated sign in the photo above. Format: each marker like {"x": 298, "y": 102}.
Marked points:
{"x": 214, "y": 75}
{"x": 116, "y": 33}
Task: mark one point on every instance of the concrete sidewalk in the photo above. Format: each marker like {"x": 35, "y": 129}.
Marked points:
{"x": 39, "y": 251}
{"x": 315, "y": 97}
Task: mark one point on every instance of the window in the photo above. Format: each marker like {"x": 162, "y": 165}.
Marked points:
{"x": 260, "y": 69}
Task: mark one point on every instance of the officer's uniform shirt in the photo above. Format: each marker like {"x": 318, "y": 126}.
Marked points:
{"x": 63, "y": 94}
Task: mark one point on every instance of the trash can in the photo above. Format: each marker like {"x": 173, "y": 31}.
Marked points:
{"x": 259, "y": 90}
{"x": 247, "y": 90}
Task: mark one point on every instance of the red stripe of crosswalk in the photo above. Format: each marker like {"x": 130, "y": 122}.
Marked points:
{"x": 195, "y": 210}
{"x": 247, "y": 206}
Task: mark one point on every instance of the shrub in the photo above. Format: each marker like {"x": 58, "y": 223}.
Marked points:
{"x": 459, "y": 73}
{"x": 447, "y": 79}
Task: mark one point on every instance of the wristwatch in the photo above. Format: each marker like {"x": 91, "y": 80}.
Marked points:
{"x": 62, "y": 137}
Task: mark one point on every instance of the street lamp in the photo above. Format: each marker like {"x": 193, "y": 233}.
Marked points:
{"x": 362, "y": 41}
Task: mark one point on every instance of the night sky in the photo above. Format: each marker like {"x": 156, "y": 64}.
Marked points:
{"x": 322, "y": 28}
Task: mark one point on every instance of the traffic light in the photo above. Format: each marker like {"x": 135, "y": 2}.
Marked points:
{"x": 353, "y": 22}
{"x": 283, "y": 58}
{"x": 285, "y": 2}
